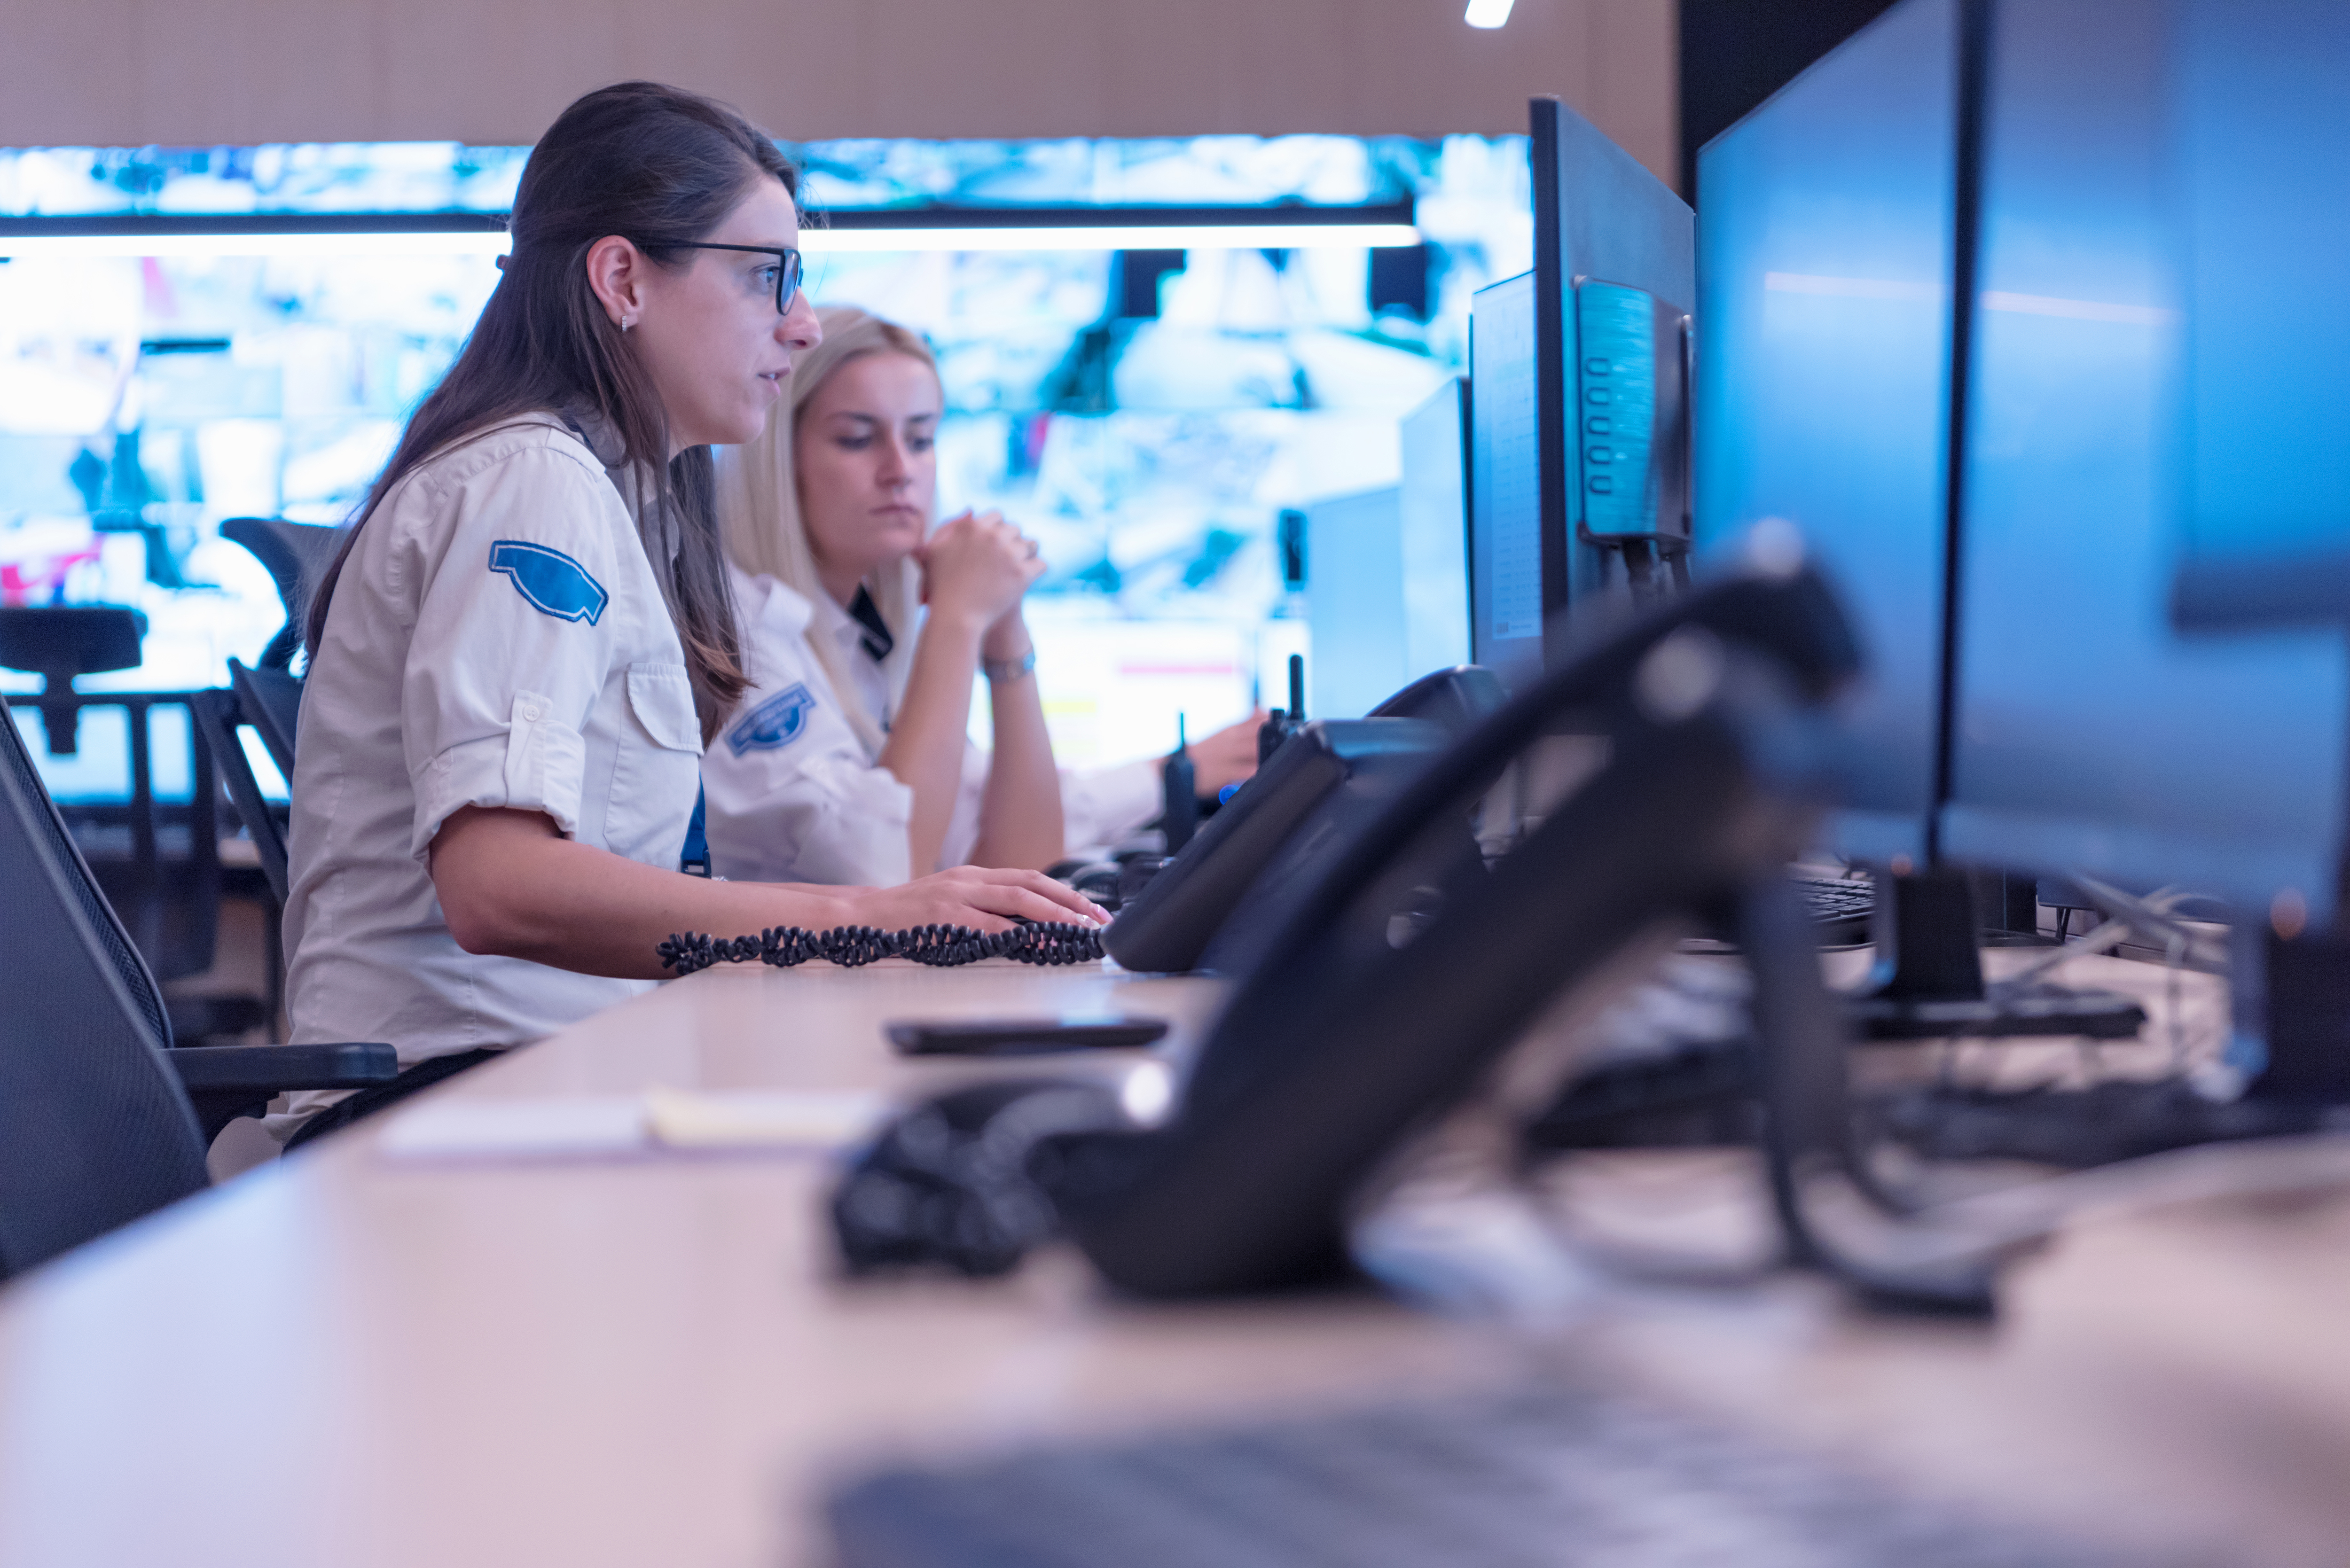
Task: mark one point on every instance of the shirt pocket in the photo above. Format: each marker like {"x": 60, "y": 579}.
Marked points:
{"x": 661, "y": 697}
{"x": 657, "y": 766}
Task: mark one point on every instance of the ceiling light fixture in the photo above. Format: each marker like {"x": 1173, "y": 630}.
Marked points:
{"x": 352, "y": 243}
{"x": 1118, "y": 237}
{"x": 847, "y": 231}
{"x": 1487, "y": 13}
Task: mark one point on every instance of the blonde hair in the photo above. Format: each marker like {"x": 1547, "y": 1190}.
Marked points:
{"x": 759, "y": 507}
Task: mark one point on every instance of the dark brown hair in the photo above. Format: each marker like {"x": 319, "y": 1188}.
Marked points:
{"x": 660, "y": 167}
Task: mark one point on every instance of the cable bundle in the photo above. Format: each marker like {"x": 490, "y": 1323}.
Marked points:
{"x": 853, "y": 947}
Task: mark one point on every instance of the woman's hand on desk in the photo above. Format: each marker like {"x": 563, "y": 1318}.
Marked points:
{"x": 978, "y": 895}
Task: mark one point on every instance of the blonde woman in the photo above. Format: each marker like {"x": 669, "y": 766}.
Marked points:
{"x": 848, "y": 761}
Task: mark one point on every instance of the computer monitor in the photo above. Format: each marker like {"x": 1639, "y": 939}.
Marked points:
{"x": 1355, "y": 601}
{"x": 2266, "y": 202}
{"x": 1387, "y": 590}
{"x": 1433, "y": 522}
{"x": 2267, "y": 473}
{"x": 1509, "y": 597}
{"x": 1578, "y": 393}
{"x": 2150, "y": 394}
{"x": 1827, "y": 242}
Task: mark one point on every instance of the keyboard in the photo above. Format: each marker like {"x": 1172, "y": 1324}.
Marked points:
{"x": 1543, "y": 1476}
{"x": 1839, "y": 907}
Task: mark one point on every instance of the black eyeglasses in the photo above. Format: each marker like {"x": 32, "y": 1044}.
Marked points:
{"x": 787, "y": 267}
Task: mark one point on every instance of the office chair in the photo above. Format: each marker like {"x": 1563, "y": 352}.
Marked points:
{"x": 271, "y": 702}
{"x": 267, "y": 701}
{"x": 267, "y": 698}
{"x": 101, "y": 1120}
{"x": 168, "y": 901}
{"x": 298, "y": 554}
{"x": 58, "y": 642}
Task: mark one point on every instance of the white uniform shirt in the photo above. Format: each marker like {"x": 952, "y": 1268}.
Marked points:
{"x": 497, "y": 638}
{"x": 795, "y": 795}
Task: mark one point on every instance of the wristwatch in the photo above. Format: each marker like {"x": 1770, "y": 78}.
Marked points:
{"x": 1000, "y": 670}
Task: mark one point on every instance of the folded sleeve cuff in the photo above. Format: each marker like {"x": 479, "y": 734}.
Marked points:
{"x": 538, "y": 764}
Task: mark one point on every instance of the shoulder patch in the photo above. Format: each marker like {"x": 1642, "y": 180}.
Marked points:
{"x": 552, "y": 582}
{"x": 778, "y": 721}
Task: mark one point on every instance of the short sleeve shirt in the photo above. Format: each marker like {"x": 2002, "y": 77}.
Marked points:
{"x": 497, "y": 638}
{"x": 795, "y": 795}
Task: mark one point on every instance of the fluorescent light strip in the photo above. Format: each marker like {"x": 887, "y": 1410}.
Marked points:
{"x": 444, "y": 243}
{"x": 825, "y": 241}
{"x": 1117, "y": 237}
{"x": 1487, "y": 13}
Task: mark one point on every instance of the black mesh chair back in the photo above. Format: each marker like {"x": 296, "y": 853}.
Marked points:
{"x": 221, "y": 717}
{"x": 271, "y": 702}
{"x": 95, "y": 1128}
{"x": 298, "y": 554}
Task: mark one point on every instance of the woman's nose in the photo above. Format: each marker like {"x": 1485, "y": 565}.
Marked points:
{"x": 798, "y": 328}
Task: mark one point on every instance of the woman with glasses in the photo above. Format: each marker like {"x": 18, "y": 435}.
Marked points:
{"x": 528, "y": 637}
{"x": 864, "y": 629}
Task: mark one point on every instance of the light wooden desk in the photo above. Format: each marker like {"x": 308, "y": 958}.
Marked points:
{"x": 345, "y": 1360}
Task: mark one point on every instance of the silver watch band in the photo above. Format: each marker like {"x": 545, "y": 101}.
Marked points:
{"x": 1000, "y": 670}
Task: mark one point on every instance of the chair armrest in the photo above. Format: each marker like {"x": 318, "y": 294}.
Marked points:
{"x": 269, "y": 1069}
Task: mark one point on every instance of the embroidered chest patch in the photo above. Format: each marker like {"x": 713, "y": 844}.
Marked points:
{"x": 552, "y": 582}
{"x": 777, "y": 722}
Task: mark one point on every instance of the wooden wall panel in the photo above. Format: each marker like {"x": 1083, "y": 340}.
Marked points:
{"x": 1635, "y": 97}
{"x": 199, "y": 72}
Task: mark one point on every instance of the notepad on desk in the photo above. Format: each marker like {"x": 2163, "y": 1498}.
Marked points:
{"x": 597, "y": 1126}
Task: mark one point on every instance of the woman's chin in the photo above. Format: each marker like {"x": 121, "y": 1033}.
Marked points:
{"x": 742, "y": 430}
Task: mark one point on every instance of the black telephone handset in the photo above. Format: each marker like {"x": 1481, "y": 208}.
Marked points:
{"x": 1357, "y": 1028}
{"x": 1328, "y": 771}
{"x": 1458, "y": 699}
{"x": 1211, "y": 906}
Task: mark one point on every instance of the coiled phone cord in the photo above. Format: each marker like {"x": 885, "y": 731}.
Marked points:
{"x": 852, "y": 947}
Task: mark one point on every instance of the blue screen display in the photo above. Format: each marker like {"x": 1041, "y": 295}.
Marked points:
{"x": 2262, "y": 123}
{"x": 1826, "y": 242}
{"x": 2090, "y": 735}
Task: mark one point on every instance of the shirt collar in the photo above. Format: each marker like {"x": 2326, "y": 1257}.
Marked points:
{"x": 637, "y": 484}
{"x": 771, "y": 602}
{"x": 876, "y": 637}
{"x": 850, "y": 631}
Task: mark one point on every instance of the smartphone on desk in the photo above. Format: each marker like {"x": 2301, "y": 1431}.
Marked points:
{"x": 1020, "y": 1036}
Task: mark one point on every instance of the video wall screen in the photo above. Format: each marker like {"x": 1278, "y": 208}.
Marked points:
{"x": 1147, "y": 414}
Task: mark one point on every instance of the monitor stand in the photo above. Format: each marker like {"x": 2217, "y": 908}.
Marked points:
{"x": 2291, "y": 1000}
{"x": 1928, "y": 982}
{"x": 2298, "y": 1008}
{"x": 2009, "y": 910}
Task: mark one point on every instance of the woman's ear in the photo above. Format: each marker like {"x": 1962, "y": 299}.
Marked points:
{"x": 615, "y": 272}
